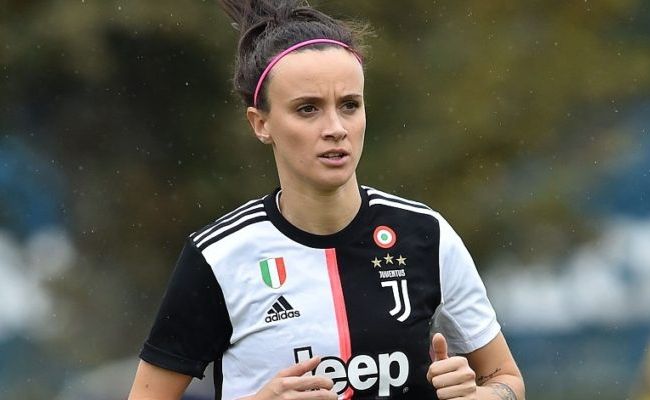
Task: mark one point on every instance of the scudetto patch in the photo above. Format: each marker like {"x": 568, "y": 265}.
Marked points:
{"x": 384, "y": 237}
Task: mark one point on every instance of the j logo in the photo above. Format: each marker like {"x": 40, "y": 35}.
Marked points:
{"x": 401, "y": 298}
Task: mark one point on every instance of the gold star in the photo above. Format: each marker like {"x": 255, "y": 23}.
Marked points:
{"x": 376, "y": 263}
{"x": 401, "y": 260}
{"x": 388, "y": 258}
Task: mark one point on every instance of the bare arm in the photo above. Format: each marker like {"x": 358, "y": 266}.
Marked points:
{"x": 155, "y": 383}
{"x": 497, "y": 373}
{"x": 489, "y": 373}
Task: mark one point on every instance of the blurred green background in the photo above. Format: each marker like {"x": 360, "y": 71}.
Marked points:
{"x": 525, "y": 123}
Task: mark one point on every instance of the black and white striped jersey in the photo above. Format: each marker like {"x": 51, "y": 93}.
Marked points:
{"x": 255, "y": 294}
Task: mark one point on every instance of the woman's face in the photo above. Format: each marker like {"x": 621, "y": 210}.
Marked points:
{"x": 317, "y": 119}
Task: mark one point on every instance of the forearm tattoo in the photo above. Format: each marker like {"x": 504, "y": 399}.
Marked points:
{"x": 481, "y": 379}
{"x": 502, "y": 391}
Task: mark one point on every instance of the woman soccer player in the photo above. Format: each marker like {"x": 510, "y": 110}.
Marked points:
{"x": 323, "y": 289}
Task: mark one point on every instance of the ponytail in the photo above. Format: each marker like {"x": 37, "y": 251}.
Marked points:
{"x": 268, "y": 27}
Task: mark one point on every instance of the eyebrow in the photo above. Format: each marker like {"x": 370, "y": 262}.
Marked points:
{"x": 316, "y": 99}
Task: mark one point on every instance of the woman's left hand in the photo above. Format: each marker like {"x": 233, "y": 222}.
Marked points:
{"x": 451, "y": 376}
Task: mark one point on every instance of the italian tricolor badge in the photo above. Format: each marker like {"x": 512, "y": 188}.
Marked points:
{"x": 273, "y": 272}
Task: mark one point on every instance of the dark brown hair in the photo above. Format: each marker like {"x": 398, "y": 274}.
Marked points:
{"x": 267, "y": 27}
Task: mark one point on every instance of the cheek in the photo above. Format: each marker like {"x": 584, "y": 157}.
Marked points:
{"x": 284, "y": 134}
{"x": 359, "y": 128}
{"x": 293, "y": 142}
{"x": 296, "y": 144}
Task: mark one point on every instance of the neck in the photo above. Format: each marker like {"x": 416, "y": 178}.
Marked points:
{"x": 321, "y": 212}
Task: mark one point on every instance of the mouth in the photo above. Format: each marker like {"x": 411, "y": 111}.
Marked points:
{"x": 335, "y": 154}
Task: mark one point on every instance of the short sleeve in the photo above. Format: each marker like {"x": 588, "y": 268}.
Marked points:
{"x": 465, "y": 315}
{"x": 192, "y": 327}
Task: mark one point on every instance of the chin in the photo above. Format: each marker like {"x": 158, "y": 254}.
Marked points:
{"x": 332, "y": 183}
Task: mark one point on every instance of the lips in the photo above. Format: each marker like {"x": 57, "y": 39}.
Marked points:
{"x": 334, "y": 154}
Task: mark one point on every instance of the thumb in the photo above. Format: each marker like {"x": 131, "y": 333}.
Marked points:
{"x": 438, "y": 350}
{"x": 301, "y": 368}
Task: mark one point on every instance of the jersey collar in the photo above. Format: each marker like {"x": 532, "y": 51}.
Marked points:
{"x": 342, "y": 237}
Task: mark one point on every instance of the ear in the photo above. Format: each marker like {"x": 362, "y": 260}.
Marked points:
{"x": 258, "y": 119}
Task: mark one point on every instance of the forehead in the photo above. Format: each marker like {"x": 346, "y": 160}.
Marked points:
{"x": 316, "y": 71}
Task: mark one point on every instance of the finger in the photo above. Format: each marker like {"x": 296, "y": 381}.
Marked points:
{"x": 320, "y": 394}
{"x": 301, "y": 368}
{"x": 456, "y": 391}
{"x": 438, "y": 349}
{"x": 445, "y": 380}
{"x": 447, "y": 366}
{"x": 315, "y": 382}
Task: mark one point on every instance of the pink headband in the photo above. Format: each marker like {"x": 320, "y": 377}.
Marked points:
{"x": 296, "y": 46}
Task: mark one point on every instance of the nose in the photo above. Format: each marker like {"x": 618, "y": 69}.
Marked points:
{"x": 333, "y": 128}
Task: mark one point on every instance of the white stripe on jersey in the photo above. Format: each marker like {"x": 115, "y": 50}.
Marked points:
{"x": 372, "y": 191}
{"x": 238, "y": 211}
{"x": 227, "y": 220}
{"x": 232, "y": 225}
{"x": 419, "y": 210}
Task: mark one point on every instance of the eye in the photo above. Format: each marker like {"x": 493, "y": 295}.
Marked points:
{"x": 307, "y": 109}
{"x": 350, "y": 106}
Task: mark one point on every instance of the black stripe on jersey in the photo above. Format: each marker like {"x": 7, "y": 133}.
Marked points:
{"x": 201, "y": 233}
{"x": 199, "y": 239}
{"x": 284, "y": 303}
{"x": 225, "y": 222}
{"x": 198, "y": 235}
{"x": 281, "y": 304}
{"x": 232, "y": 230}
{"x": 395, "y": 199}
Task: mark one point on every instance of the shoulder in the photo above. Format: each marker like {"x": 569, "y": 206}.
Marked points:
{"x": 229, "y": 224}
{"x": 378, "y": 198}
{"x": 413, "y": 211}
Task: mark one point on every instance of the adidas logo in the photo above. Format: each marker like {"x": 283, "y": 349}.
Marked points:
{"x": 281, "y": 309}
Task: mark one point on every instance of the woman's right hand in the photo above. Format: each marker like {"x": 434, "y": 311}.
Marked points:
{"x": 290, "y": 384}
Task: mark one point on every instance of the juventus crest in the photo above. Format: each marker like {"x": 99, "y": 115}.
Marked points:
{"x": 402, "y": 308}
